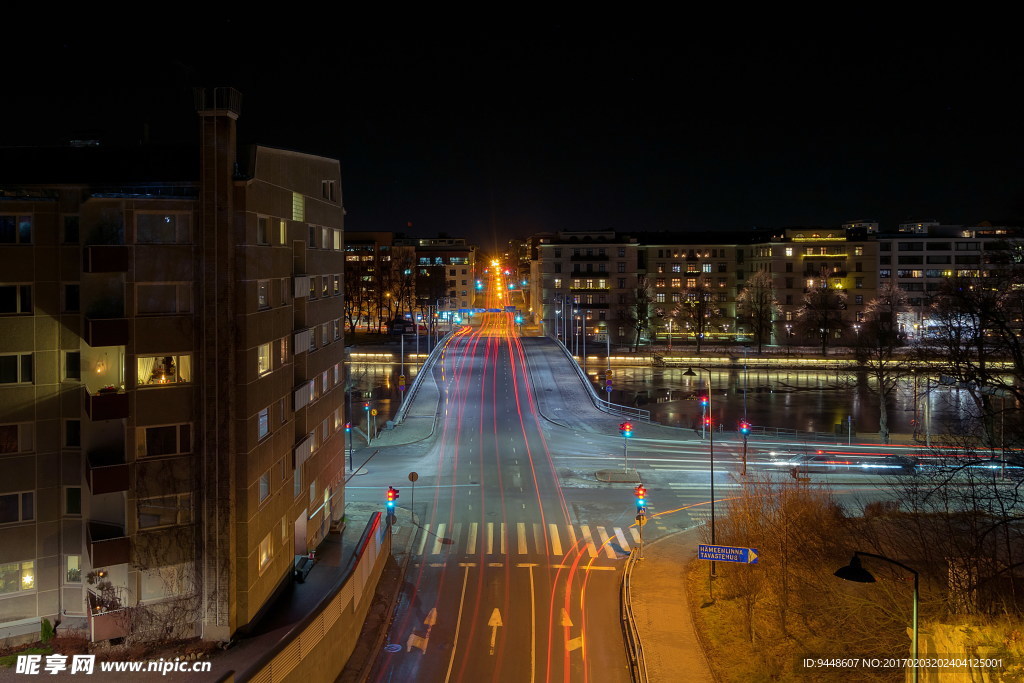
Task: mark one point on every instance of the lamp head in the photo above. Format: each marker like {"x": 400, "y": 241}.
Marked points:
{"x": 689, "y": 373}
{"x": 855, "y": 572}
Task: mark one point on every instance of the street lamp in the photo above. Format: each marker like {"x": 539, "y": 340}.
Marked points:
{"x": 711, "y": 448}
{"x": 855, "y": 572}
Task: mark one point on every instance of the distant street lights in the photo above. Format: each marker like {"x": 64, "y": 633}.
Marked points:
{"x": 855, "y": 572}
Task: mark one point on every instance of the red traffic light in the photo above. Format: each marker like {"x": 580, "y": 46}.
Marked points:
{"x": 366, "y": 405}
{"x": 744, "y": 427}
{"x": 348, "y": 427}
{"x": 392, "y": 496}
{"x": 640, "y": 491}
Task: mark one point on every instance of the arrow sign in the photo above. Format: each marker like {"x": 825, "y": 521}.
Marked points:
{"x": 421, "y": 641}
{"x": 725, "y": 553}
{"x": 494, "y": 622}
{"x": 570, "y": 643}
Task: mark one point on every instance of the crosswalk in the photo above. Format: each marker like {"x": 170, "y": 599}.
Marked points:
{"x": 524, "y": 539}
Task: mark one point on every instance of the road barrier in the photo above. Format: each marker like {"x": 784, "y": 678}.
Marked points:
{"x": 634, "y": 649}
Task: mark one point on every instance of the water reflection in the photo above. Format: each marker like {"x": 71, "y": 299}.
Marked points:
{"x": 813, "y": 401}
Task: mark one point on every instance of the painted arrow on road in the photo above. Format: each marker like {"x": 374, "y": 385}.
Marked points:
{"x": 570, "y": 643}
{"x": 421, "y": 641}
{"x": 494, "y": 622}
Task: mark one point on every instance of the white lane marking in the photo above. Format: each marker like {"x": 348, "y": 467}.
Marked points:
{"x": 521, "y": 537}
{"x": 606, "y": 542}
{"x": 437, "y": 539}
{"x": 588, "y": 539}
{"x": 556, "y": 543}
{"x": 458, "y": 624}
{"x": 456, "y": 535}
{"x": 622, "y": 540}
{"x": 572, "y": 538}
{"x": 501, "y": 538}
{"x": 533, "y": 630}
{"x": 471, "y": 544}
{"x": 635, "y": 534}
{"x": 423, "y": 539}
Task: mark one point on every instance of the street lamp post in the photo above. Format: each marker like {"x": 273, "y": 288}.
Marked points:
{"x": 855, "y": 572}
{"x": 711, "y": 449}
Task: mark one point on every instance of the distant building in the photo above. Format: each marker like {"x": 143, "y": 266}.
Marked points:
{"x": 171, "y": 365}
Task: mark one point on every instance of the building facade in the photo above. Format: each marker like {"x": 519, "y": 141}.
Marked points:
{"x": 172, "y": 427}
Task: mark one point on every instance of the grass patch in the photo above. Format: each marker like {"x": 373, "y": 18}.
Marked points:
{"x": 7, "y": 661}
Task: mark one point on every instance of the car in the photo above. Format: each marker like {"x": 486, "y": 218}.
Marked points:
{"x": 846, "y": 463}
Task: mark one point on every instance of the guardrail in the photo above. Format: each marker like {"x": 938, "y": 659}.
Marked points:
{"x": 794, "y": 433}
{"x": 634, "y": 648}
{"x": 425, "y": 369}
{"x": 603, "y": 404}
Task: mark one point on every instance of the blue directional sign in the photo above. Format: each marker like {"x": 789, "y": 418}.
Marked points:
{"x": 725, "y": 553}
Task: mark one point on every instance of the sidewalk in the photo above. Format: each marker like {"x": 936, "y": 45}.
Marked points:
{"x": 662, "y": 611}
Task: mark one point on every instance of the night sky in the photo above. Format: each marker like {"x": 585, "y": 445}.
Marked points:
{"x": 555, "y": 127}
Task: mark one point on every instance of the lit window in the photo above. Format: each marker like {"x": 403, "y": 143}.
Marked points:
{"x": 16, "y": 577}
{"x": 73, "y": 569}
{"x": 266, "y": 552}
{"x": 263, "y": 359}
{"x": 789, "y": 251}
{"x": 160, "y": 370}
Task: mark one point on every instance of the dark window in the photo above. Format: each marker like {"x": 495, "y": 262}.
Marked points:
{"x": 72, "y": 365}
{"x": 8, "y": 438}
{"x": 71, "y": 299}
{"x": 16, "y": 368}
{"x": 73, "y": 500}
{"x": 16, "y": 299}
{"x": 70, "y": 229}
{"x": 73, "y": 433}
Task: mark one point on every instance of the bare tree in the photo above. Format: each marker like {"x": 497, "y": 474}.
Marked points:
{"x": 759, "y": 305}
{"x": 637, "y": 313}
{"x": 699, "y": 310}
{"x": 880, "y": 348}
{"x": 821, "y": 312}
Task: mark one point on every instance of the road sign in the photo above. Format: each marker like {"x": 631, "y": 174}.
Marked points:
{"x": 510, "y": 309}
{"x": 413, "y": 476}
{"x": 373, "y": 412}
{"x": 725, "y": 553}
{"x": 641, "y": 519}
{"x": 608, "y": 373}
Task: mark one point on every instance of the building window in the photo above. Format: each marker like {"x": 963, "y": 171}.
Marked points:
{"x": 17, "y": 507}
{"x": 337, "y": 284}
{"x": 162, "y": 228}
{"x": 16, "y": 438}
{"x": 858, "y": 299}
{"x": 73, "y": 365}
{"x": 691, "y": 282}
{"x": 677, "y": 282}
{"x": 72, "y": 569}
{"x": 16, "y": 299}
{"x": 15, "y": 229}
{"x": 70, "y": 229}
{"x": 71, "y": 299}
{"x": 72, "y": 433}
{"x": 162, "y": 370}
{"x": 262, "y": 230}
{"x": 263, "y": 293}
{"x": 858, "y": 283}
{"x": 296, "y": 482}
{"x": 164, "y": 440}
{"x": 72, "y": 500}
{"x": 622, "y": 251}
{"x": 263, "y": 423}
{"x": 312, "y": 492}
{"x": 266, "y": 552}
{"x": 858, "y": 251}
{"x": 264, "y": 487}
{"x": 163, "y": 298}
{"x": 16, "y": 368}
{"x": 282, "y": 231}
{"x": 164, "y": 511}
{"x": 263, "y": 365}
{"x": 17, "y": 576}
{"x": 284, "y": 350}
{"x": 312, "y": 237}
{"x": 659, "y": 297}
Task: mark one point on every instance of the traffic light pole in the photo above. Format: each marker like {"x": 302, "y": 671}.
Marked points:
{"x": 625, "y": 455}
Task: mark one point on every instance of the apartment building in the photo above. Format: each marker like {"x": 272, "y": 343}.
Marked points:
{"x": 586, "y": 276}
{"x": 380, "y": 279}
{"x": 170, "y": 381}
{"x": 446, "y": 271}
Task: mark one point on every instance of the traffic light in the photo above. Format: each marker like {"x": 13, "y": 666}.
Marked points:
{"x": 626, "y": 428}
{"x": 703, "y": 400}
{"x": 641, "y": 497}
{"x": 392, "y": 497}
{"x": 366, "y": 405}
{"x": 348, "y": 427}
{"x": 744, "y": 427}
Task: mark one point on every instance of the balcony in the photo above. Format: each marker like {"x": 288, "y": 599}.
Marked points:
{"x": 107, "y": 625}
{"x": 106, "y": 331}
{"x": 105, "y": 258}
{"x": 107, "y": 471}
{"x": 106, "y": 405}
{"x": 108, "y": 544}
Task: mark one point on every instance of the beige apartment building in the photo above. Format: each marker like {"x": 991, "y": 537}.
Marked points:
{"x": 171, "y": 350}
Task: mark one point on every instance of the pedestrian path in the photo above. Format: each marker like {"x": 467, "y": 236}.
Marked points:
{"x": 524, "y": 539}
